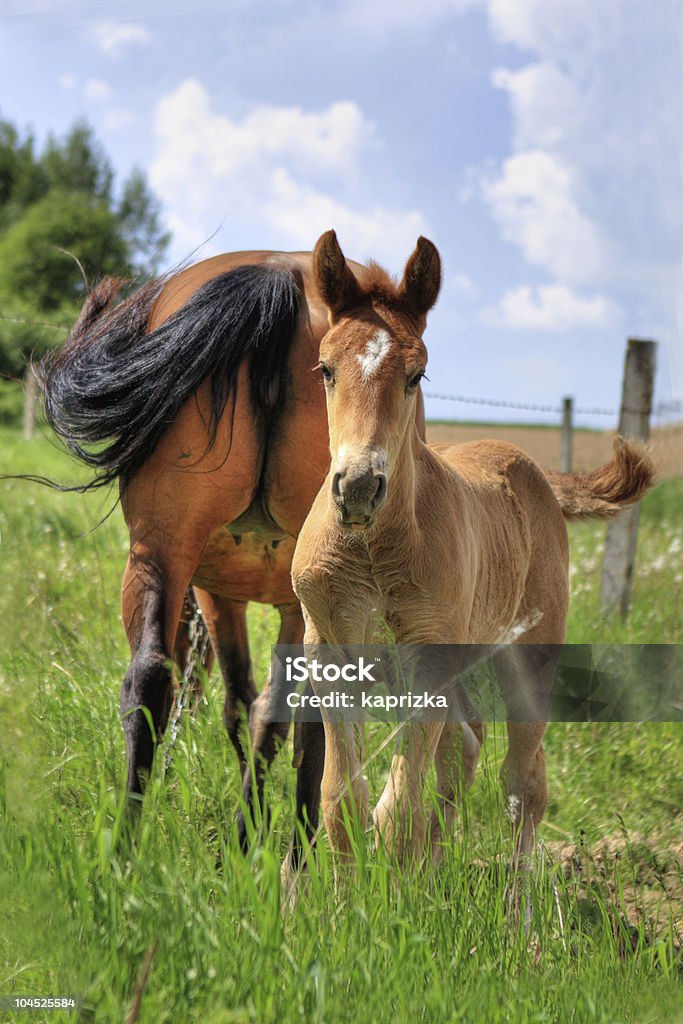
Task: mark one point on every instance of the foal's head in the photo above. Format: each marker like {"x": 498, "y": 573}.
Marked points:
{"x": 372, "y": 359}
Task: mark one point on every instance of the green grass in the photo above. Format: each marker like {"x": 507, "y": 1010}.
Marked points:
{"x": 80, "y": 914}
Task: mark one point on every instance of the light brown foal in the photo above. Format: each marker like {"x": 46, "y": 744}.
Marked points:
{"x": 448, "y": 544}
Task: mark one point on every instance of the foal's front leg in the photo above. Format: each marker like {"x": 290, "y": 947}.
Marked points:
{"x": 344, "y": 789}
{"x": 399, "y": 817}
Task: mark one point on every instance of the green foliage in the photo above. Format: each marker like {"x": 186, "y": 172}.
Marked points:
{"x": 81, "y": 909}
{"x": 22, "y": 179}
{"x": 38, "y": 253}
{"x": 11, "y": 402}
{"x": 79, "y": 164}
{"x": 139, "y": 214}
{"x": 56, "y": 208}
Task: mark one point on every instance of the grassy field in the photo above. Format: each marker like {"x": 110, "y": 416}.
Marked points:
{"x": 81, "y": 914}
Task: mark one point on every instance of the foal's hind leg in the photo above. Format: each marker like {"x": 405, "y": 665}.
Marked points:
{"x": 456, "y": 761}
{"x": 526, "y": 673}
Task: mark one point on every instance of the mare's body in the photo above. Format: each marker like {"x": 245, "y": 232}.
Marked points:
{"x": 205, "y": 389}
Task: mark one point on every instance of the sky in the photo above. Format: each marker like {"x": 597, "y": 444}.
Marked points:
{"x": 536, "y": 142}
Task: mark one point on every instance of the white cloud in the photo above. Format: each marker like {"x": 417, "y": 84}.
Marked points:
{"x": 68, "y": 82}
{"x": 546, "y": 104}
{"x": 591, "y": 190}
{"x": 118, "y": 117}
{"x": 389, "y": 16}
{"x": 304, "y": 213}
{"x": 265, "y": 169}
{"x": 96, "y": 89}
{"x": 559, "y": 28}
{"x": 113, "y": 37}
{"x": 550, "y": 308}
{"x": 463, "y": 285}
{"x": 601, "y": 97}
{"x": 533, "y": 203}
{"x": 189, "y": 130}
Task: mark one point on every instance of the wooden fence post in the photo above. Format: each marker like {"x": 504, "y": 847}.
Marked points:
{"x": 634, "y": 421}
{"x": 567, "y": 415}
{"x": 30, "y": 402}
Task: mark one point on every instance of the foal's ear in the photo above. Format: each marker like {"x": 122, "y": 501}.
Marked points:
{"x": 421, "y": 282}
{"x": 337, "y": 286}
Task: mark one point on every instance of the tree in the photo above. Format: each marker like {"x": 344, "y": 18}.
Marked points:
{"x": 22, "y": 179}
{"x": 65, "y": 198}
{"x": 139, "y": 213}
{"x": 34, "y": 253}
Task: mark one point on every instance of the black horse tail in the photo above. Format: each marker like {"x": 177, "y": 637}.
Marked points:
{"x": 113, "y": 389}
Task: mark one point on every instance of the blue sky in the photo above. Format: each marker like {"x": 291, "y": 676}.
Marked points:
{"x": 535, "y": 141}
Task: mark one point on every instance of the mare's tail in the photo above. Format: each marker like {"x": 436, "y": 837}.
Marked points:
{"x": 605, "y": 491}
{"x": 113, "y": 389}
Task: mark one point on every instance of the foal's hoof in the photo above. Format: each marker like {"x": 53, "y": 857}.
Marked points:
{"x": 400, "y": 833}
{"x": 294, "y": 880}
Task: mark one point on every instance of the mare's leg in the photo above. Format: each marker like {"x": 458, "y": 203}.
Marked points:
{"x": 153, "y": 590}
{"x": 270, "y": 716}
{"x": 309, "y": 761}
{"x": 226, "y": 621}
{"x": 171, "y": 512}
{"x": 183, "y": 645}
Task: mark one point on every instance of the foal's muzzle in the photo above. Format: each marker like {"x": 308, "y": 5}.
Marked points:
{"x": 359, "y": 492}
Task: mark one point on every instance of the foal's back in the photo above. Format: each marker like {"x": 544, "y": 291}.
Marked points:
{"x": 505, "y": 507}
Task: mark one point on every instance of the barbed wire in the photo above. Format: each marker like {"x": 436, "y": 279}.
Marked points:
{"x": 499, "y": 403}
{"x": 33, "y": 323}
{"x": 526, "y": 406}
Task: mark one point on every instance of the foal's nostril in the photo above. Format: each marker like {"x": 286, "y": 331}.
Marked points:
{"x": 336, "y": 492}
{"x": 381, "y": 489}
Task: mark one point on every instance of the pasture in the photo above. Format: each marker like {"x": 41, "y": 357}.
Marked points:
{"x": 80, "y": 916}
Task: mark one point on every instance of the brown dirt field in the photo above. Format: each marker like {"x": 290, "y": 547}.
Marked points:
{"x": 591, "y": 448}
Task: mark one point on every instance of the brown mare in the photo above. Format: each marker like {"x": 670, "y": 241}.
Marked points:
{"x": 448, "y": 544}
{"x": 200, "y": 396}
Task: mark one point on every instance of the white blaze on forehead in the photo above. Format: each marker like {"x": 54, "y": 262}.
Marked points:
{"x": 375, "y": 353}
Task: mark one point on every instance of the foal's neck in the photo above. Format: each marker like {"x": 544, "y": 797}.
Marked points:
{"x": 400, "y": 507}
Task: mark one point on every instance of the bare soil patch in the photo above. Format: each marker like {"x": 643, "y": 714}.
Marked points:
{"x": 544, "y": 444}
{"x": 642, "y": 876}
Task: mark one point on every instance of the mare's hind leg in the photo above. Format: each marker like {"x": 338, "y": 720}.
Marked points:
{"x": 226, "y": 622}
{"x": 270, "y": 715}
{"x": 182, "y": 650}
{"x": 152, "y": 600}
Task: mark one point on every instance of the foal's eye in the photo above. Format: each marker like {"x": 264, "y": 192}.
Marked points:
{"x": 414, "y": 381}
{"x": 325, "y": 370}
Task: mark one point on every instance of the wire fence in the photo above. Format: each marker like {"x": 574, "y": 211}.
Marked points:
{"x": 34, "y": 323}
{"x": 663, "y": 409}
{"x": 526, "y": 406}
